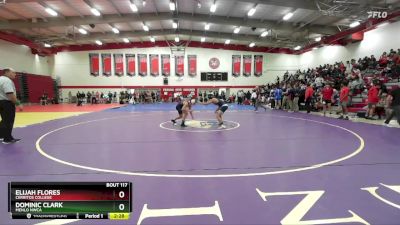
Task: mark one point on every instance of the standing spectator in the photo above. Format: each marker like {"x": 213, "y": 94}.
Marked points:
{"x": 296, "y": 92}
{"x": 8, "y": 100}
{"x": 344, "y": 99}
{"x": 327, "y": 94}
{"x": 308, "y": 97}
{"x": 373, "y": 99}
{"x": 254, "y": 99}
{"x": 278, "y": 97}
{"x": 394, "y": 97}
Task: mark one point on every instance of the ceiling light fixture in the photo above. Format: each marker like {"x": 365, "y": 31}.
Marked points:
{"x": 236, "y": 30}
{"x": 288, "y": 16}
{"x": 354, "y": 24}
{"x": 251, "y": 11}
{"x": 51, "y": 11}
{"x": 145, "y": 27}
{"x": 227, "y": 42}
{"x": 46, "y": 45}
{"x": 252, "y": 44}
{"x": 134, "y": 8}
{"x": 115, "y": 30}
{"x": 264, "y": 34}
{"x": 207, "y": 26}
{"x": 82, "y": 31}
{"x": 95, "y": 12}
{"x": 172, "y": 5}
{"x": 213, "y": 8}
{"x": 297, "y": 48}
{"x": 126, "y": 40}
{"x": 176, "y": 39}
{"x": 318, "y": 39}
{"x": 174, "y": 25}
{"x": 203, "y": 39}
{"x": 152, "y": 39}
{"x": 99, "y": 42}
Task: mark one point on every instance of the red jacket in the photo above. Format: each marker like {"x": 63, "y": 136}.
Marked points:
{"x": 309, "y": 92}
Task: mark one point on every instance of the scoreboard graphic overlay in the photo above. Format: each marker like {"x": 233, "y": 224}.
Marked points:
{"x": 70, "y": 200}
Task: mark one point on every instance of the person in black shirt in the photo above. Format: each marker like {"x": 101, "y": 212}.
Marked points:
{"x": 395, "y": 98}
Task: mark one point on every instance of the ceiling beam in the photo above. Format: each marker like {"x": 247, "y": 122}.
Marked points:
{"x": 301, "y": 4}
{"x": 140, "y": 34}
{"x": 235, "y": 21}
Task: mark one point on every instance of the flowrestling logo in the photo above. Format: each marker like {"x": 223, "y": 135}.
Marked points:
{"x": 377, "y": 14}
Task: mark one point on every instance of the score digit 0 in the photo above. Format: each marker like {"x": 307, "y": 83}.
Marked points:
{"x": 121, "y": 194}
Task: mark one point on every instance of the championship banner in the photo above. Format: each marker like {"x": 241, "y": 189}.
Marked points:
{"x": 119, "y": 64}
{"x": 192, "y": 61}
{"x": 106, "y": 59}
{"x": 166, "y": 65}
{"x": 258, "y": 65}
{"x": 142, "y": 60}
{"x": 246, "y": 65}
{"x": 130, "y": 64}
{"x": 94, "y": 64}
{"x": 236, "y": 61}
{"x": 154, "y": 68}
{"x": 179, "y": 65}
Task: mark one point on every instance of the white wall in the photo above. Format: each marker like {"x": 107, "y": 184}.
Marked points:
{"x": 375, "y": 43}
{"x": 20, "y": 58}
{"x": 73, "y": 68}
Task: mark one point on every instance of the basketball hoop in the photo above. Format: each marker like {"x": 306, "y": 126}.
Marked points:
{"x": 178, "y": 48}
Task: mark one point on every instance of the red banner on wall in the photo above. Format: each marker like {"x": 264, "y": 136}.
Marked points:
{"x": 130, "y": 64}
{"x": 142, "y": 60}
{"x": 154, "y": 65}
{"x": 119, "y": 64}
{"x": 258, "y": 65}
{"x": 246, "y": 65}
{"x": 236, "y": 61}
{"x": 179, "y": 65}
{"x": 94, "y": 64}
{"x": 166, "y": 65}
{"x": 106, "y": 59}
{"x": 192, "y": 61}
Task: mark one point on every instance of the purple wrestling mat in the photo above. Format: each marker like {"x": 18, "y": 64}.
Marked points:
{"x": 263, "y": 168}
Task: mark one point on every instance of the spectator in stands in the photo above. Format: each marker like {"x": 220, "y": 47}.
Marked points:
{"x": 344, "y": 99}
{"x": 319, "y": 82}
{"x": 373, "y": 99}
{"x": 394, "y": 100}
{"x": 372, "y": 62}
{"x": 383, "y": 60}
